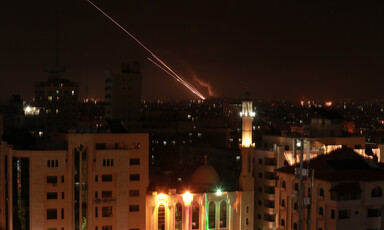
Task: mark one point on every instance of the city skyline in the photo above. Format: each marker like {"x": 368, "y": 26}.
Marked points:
{"x": 277, "y": 50}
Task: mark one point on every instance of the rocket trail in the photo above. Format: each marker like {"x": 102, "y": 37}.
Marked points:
{"x": 164, "y": 66}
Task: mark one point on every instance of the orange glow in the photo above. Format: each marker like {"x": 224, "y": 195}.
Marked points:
{"x": 187, "y": 198}
{"x": 328, "y": 103}
{"x": 162, "y": 199}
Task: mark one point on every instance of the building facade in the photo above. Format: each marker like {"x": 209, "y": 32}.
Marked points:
{"x": 98, "y": 182}
{"x": 345, "y": 191}
{"x": 123, "y": 93}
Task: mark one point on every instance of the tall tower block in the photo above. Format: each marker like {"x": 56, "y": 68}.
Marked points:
{"x": 246, "y": 176}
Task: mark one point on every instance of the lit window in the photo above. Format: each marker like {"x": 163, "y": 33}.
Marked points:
{"x": 161, "y": 217}
{"x": 73, "y": 92}
{"x": 49, "y": 98}
{"x": 57, "y": 91}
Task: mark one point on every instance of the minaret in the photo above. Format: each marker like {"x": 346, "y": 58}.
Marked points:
{"x": 246, "y": 179}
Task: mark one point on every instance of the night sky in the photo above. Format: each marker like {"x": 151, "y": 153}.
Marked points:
{"x": 276, "y": 49}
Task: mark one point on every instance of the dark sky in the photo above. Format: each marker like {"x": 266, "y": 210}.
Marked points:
{"x": 278, "y": 49}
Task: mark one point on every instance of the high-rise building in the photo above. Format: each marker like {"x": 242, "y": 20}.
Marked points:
{"x": 57, "y": 99}
{"x": 123, "y": 93}
{"x": 98, "y": 181}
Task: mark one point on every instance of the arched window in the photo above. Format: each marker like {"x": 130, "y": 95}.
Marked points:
{"x": 161, "y": 217}
{"x": 282, "y": 203}
{"x": 321, "y": 192}
{"x": 282, "y": 222}
{"x": 321, "y": 211}
{"x": 283, "y": 184}
{"x": 178, "y": 216}
{"x": 223, "y": 214}
{"x": 295, "y": 226}
{"x": 296, "y": 187}
{"x": 212, "y": 215}
{"x": 295, "y": 206}
{"x": 377, "y": 192}
{"x": 195, "y": 215}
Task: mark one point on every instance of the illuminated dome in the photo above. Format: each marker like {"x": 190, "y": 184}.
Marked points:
{"x": 205, "y": 177}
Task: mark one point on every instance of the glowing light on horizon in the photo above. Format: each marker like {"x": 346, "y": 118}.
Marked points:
{"x": 164, "y": 66}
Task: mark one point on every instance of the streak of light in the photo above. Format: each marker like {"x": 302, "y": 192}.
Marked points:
{"x": 170, "y": 71}
{"x": 180, "y": 80}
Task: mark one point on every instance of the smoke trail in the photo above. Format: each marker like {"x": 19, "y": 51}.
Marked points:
{"x": 164, "y": 66}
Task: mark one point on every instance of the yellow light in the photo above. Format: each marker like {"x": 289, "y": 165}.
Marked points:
{"x": 162, "y": 199}
{"x": 246, "y": 142}
{"x": 187, "y": 198}
{"x": 219, "y": 192}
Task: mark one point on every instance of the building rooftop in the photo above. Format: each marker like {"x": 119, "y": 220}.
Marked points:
{"x": 342, "y": 165}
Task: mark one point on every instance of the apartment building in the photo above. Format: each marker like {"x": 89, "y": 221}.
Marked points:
{"x": 345, "y": 192}
{"x": 98, "y": 182}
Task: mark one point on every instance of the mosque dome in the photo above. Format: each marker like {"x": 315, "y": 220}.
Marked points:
{"x": 205, "y": 176}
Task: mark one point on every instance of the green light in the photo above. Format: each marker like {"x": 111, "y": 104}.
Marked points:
{"x": 206, "y": 212}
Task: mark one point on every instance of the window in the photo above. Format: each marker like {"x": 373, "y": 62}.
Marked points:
{"x": 332, "y": 213}
{"x": 377, "y": 192}
{"x": 344, "y": 214}
{"x": 96, "y": 212}
{"x": 295, "y": 226}
{"x": 282, "y": 222}
{"x": 62, "y": 213}
{"x": 223, "y": 214}
{"x": 106, "y": 227}
{"x": 282, "y": 203}
{"x": 161, "y": 217}
{"x": 134, "y": 161}
{"x": 345, "y": 196}
{"x": 295, "y": 206}
{"x": 96, "y": 178}
{"x": 106, "y": 194}
{"x": 178, "y": 216}
{"x": 134, "y": 177}
{"x": 212, "y": 214}
{"x": 195, "y": 215}
{"x": 321, "y": 192}
{"x": 52, "y": 195}
{"x": 259, "y": 203}
{"x": 260, "y": 175}
{"x": 107, "y": 162}
{"x": 52, "y": 179}
{"x": 296, "y": 187}
{"x": 52, "y": 214}
{"x": 106, "y": 177}
{"x": 321, "y": 211}
{"x": 260, "y": 161}
{"x": 106, "y": 211}
{"x": 62, "y": 179}
{"x": 283, "y": 184}
{"x": 376, "y": 212}
{"x": 133, "y": 208}
{"x": 133, "y": 193}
